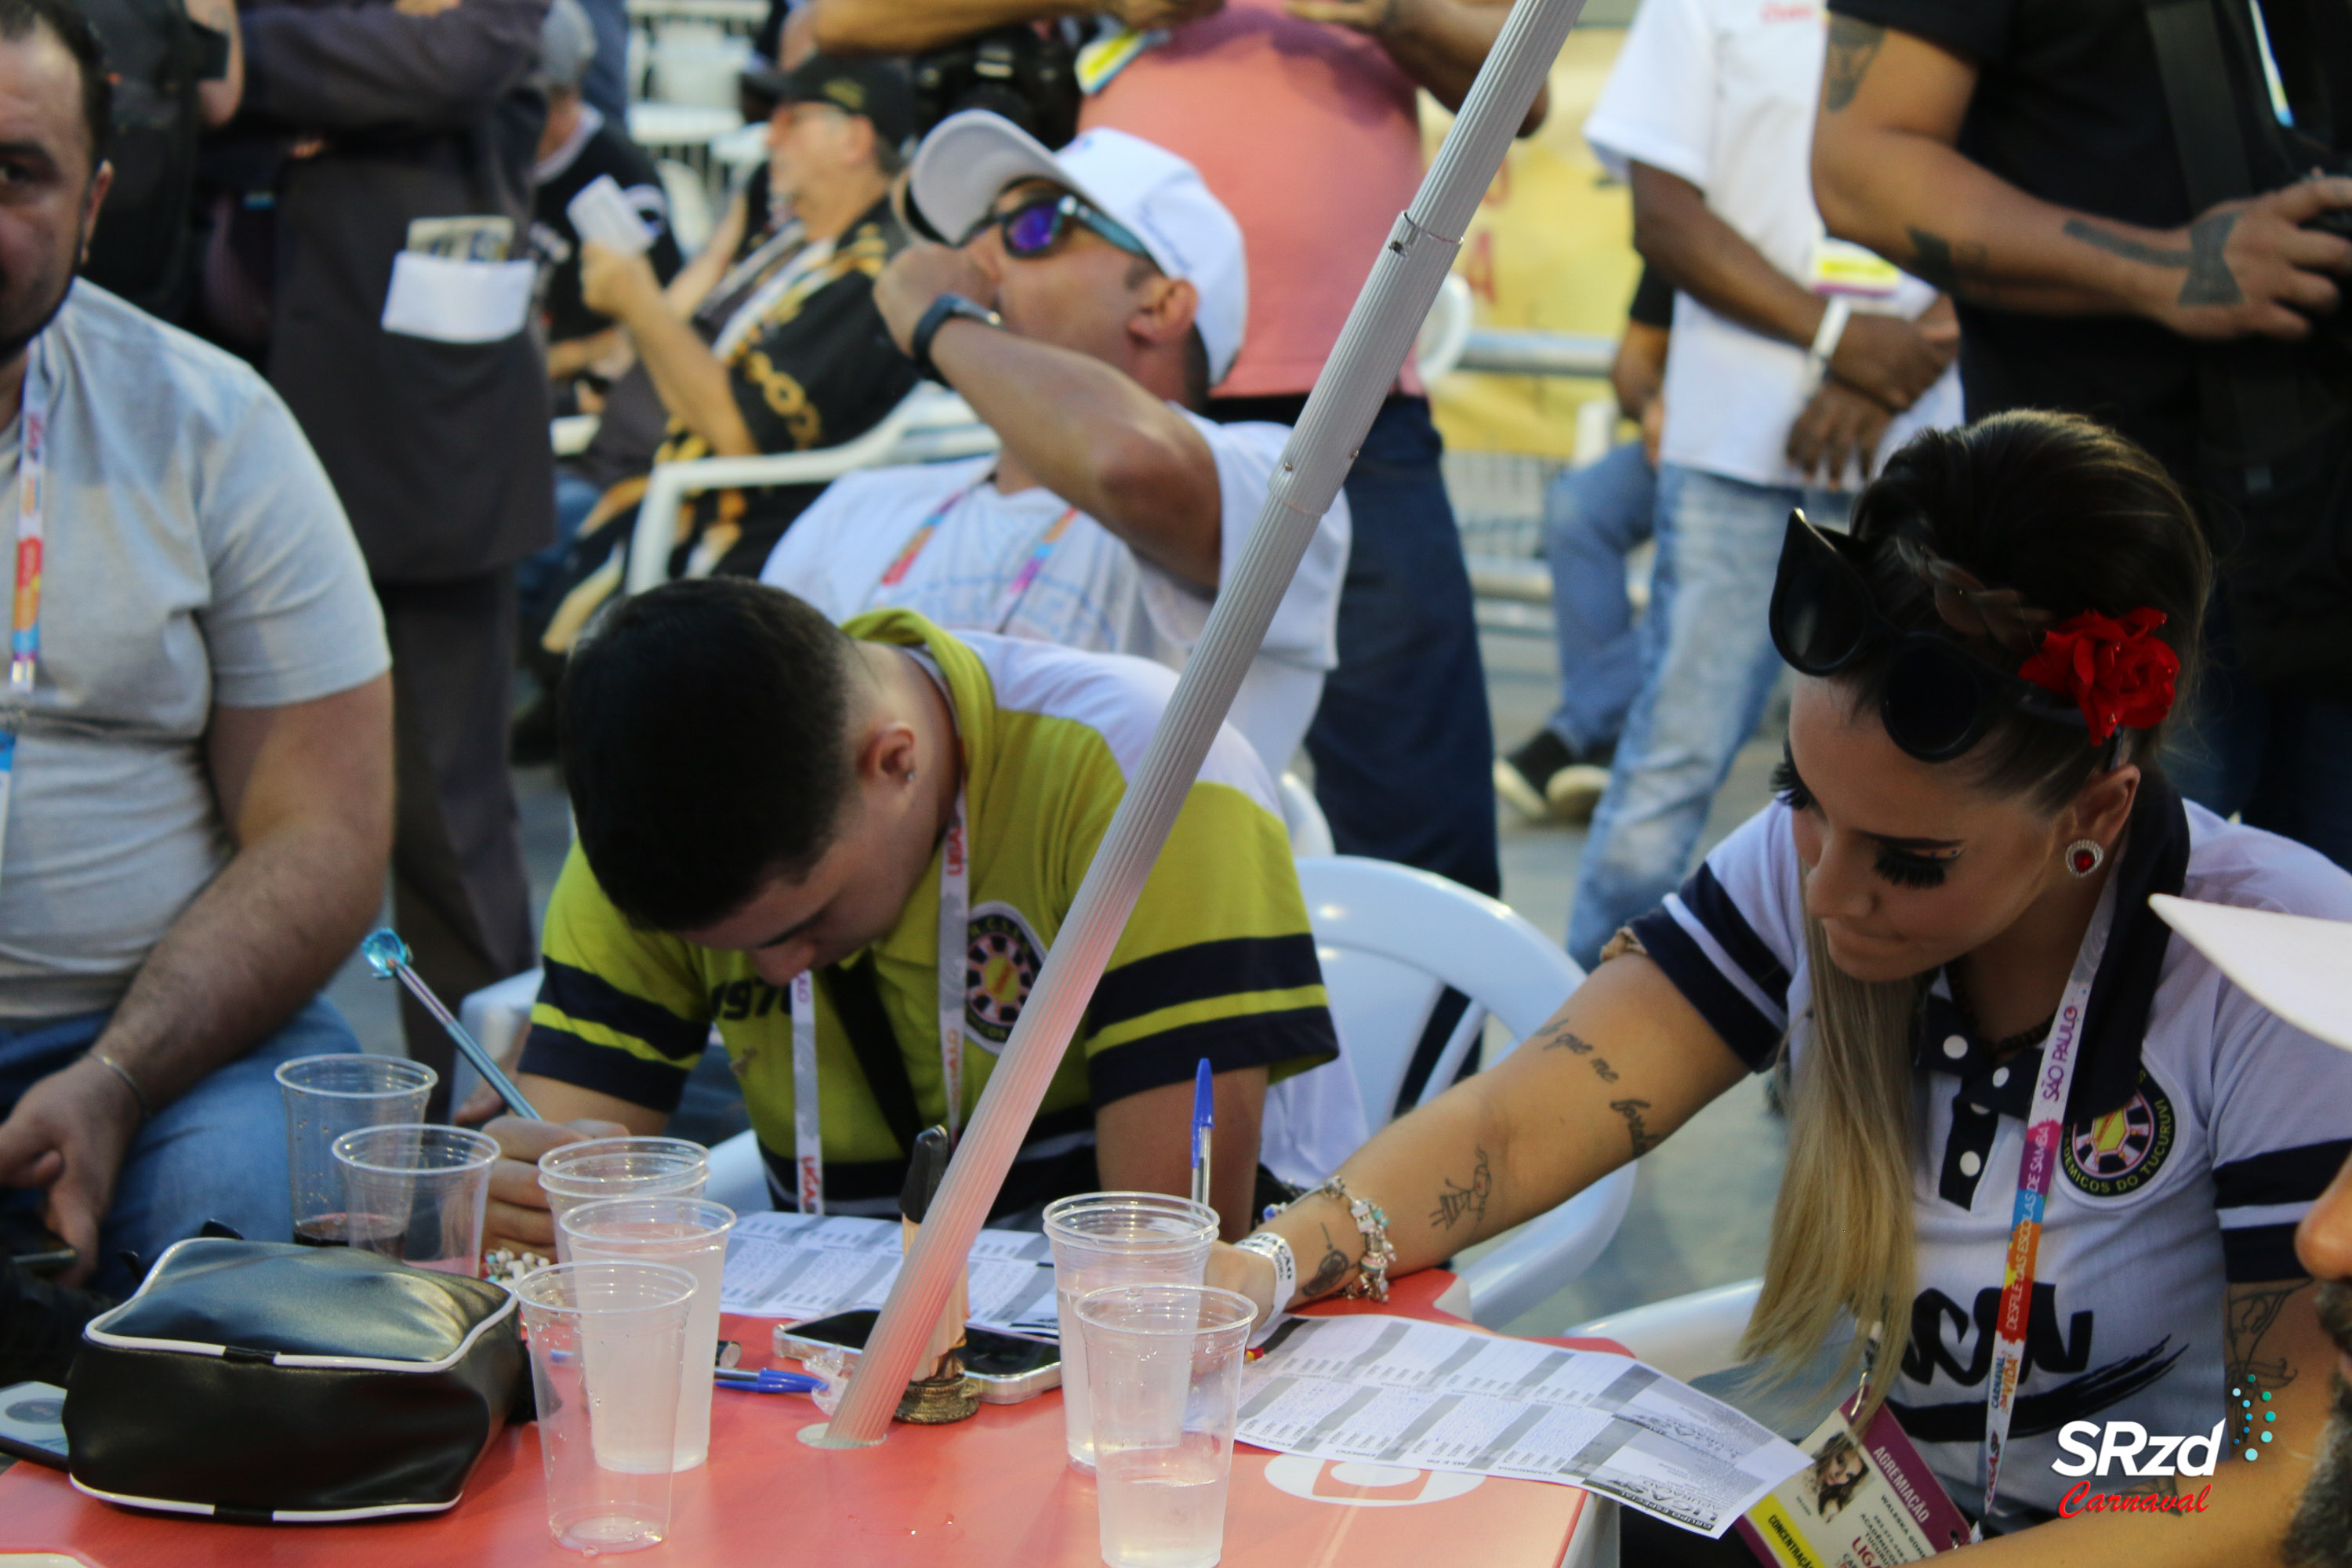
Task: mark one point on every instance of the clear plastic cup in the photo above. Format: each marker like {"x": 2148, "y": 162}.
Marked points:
{"x": 416, "y": 1192}
{"x": 605, "y": 1364}
{"x": 576, "y": 1173}
{"x": 1116, "y": 1238}
{"x": 327, "y": 1096}
{"x": 1166, "y": 1366}
{"x": 686, "y": 1233}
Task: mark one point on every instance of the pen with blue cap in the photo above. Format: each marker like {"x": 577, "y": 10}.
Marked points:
{"x": 388, "y": 956}
{"x": 1204, "y": 1125}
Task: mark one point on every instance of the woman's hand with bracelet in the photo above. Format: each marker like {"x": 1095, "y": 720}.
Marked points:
{"x": 1251, "y": 1274}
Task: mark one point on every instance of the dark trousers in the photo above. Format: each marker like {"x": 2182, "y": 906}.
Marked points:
{"x": 1403, "y": 745}
{"x": 2276, "y": 754}
{"x": 459, "y": 895}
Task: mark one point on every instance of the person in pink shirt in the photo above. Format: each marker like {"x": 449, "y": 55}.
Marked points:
{"x": 1300, "y": 116}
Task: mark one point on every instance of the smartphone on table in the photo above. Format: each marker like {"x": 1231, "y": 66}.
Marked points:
{"x": 1010, "y": 1368}
{"x": 33, "y": 1423}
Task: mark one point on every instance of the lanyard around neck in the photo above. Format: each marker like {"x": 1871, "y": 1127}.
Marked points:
{"x": 955, "y": 906}
{"x": 2045, "y": 1126}
{"x": 25, "y": 637}
{"x": 1009, "y": 600}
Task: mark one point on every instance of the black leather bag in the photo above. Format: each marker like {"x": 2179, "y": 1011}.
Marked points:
{"x": 258, "y": 1382}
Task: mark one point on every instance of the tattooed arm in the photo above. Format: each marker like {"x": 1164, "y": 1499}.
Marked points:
{"x": 2273, "y": 1343}
{"x": 1886, "y": 173}
{"x": 1624, "y": 1062}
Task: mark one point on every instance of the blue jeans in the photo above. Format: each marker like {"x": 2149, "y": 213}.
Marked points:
{"x": 607, "y": 83}
{"x": 1709, "y": 666}
{"x": 1402, "y": 745}
{"x": 218, "y": 1152}
{"x": 1593, "y": 518}
{"x": 539, "y": 577}
{"x": 2278, "y": 755}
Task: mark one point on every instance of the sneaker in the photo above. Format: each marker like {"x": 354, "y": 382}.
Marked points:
{"x": 1522, "y": 776}
{"x": 1576, "y": 789}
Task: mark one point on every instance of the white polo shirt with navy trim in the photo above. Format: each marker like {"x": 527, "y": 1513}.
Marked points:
{"x": 2199, "y": 1129}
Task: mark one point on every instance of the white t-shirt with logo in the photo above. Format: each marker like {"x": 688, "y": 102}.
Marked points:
{"x": 2200, "y": 1130}
{"x": 1721, "y": 93}
{"x": 1090, "y": 591}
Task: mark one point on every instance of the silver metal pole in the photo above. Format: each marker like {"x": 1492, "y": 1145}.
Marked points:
{"x": 1362, "y": 367}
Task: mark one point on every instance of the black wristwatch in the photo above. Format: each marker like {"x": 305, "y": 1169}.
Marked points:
{"x": 937, "y": 314}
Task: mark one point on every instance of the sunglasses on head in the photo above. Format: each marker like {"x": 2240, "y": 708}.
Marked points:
{"x": 1941, "y": 698}
{"x": 1036, "y": 227}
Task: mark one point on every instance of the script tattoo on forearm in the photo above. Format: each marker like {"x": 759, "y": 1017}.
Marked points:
{"x": 1852, "y": 45}
{"x": 1563, "y": 1041}
{"x": 2208, "y": 280}
{"x": 1956, "y": 269}
{"x": 1328, "y": 1273}
{"x": 1631, "y": 1110}
{"x": 1453, "y": 1200}
{"x": 2253, "y": 1312}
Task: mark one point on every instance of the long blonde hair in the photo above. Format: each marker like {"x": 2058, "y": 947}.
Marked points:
{"x": 1842, "y": 1230}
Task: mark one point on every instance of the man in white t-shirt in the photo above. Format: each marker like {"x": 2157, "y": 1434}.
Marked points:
{"x": 1098, "y": 296}
{"x": 1794, "y": 365}
{"x": 200, "y": 779}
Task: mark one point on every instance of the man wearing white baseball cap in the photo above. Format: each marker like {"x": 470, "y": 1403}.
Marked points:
{"x": 1095, "y": 296}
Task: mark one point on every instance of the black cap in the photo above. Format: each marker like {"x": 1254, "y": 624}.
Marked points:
{"x": 877, "y": 89}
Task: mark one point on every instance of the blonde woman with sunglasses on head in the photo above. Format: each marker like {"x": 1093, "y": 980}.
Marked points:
{"x": 1941, "y": 925}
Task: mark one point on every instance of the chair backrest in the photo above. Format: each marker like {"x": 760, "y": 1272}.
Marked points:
{"x": 1391, "y": 940}
{"x": 689, "y": 205}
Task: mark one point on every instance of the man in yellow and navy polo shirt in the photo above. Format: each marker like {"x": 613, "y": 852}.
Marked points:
{"x": 760, "y": 793}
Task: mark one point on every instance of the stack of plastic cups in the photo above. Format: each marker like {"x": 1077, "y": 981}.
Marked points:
{"x": 605, "y": 1362}
{"x": 684, "y": 1233}
{"x": 1101, "y": 1239}
{"x": 327, "y": 1096}
{"x": 1165, "y": 1363}
{"x": 576, "y": 1173}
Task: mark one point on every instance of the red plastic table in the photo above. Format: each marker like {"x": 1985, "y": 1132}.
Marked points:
{"x": 993, "y": 1490}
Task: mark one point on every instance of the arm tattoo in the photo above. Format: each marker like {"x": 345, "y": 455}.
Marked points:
{"x": 1328, "y": 1273}
{"x": 1559, "y": 1037}
{"x": 2253, "y": 1312}
{"x": 2208, "y": 282}
{"x": 1631, "y": 1110}
{"x": 1956, "y": 269}
{"x": 1853, "y": 44}
{"x": 1453, "y": 1200}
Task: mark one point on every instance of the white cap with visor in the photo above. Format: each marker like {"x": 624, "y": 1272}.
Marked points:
{"x": 969, "y": 158}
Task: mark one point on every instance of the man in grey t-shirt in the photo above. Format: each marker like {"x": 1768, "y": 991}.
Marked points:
{"x": 201, "y": 801}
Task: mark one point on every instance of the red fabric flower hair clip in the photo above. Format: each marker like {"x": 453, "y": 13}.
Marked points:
{"x": 2118, "y": 671}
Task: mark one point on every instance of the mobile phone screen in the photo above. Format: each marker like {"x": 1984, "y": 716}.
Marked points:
{"x": 985, "y": 1353}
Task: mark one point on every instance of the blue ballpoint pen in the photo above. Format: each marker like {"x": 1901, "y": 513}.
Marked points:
{"x": 768, "y": 1379}
{"x": 1204, "y": 1123}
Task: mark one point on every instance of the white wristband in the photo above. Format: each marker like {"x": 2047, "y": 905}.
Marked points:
{"x": 1276, "y": 1251}
{"x": 1835, "y": 315}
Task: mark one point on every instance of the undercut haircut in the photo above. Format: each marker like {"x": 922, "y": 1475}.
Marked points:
{"x": 64, "y": 21}
{"x": 703, "y": 734}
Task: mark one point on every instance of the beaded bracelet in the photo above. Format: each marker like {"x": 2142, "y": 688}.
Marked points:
{"x": 1373, "y": 1224}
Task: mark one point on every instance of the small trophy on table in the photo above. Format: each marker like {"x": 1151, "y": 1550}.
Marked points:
{"x": 944, "y": 1393}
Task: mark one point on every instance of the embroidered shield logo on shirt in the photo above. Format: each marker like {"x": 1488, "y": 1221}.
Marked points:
{"x": 1001, "y": 962}
{"x": 2116, "y": 1154}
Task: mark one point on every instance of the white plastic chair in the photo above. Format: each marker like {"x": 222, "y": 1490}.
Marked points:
{"x": 930, "y": 424}
{"x": 1682, "y": 1336}
{"x": 1310, "y": 832}
{"x": 1445, "y": 331}
{"x": 1390, "y": 940}
{"x": 689, "y": 205}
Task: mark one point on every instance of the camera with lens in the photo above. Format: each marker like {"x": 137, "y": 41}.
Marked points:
{"x": 1027, "y": 73}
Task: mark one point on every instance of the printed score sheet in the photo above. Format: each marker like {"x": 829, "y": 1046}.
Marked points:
{"x": 798, "y": 1266}
{"x": 1399, "y": 1391}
